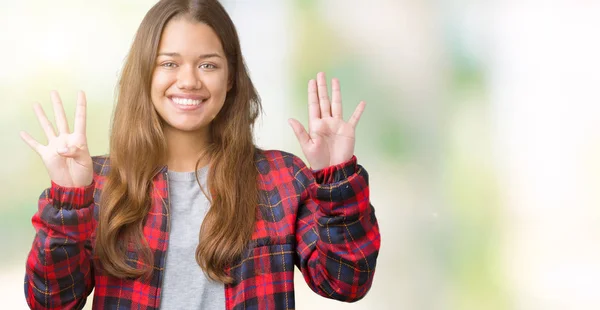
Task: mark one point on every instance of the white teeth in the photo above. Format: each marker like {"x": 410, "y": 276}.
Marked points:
{"x": 184, "y": 101}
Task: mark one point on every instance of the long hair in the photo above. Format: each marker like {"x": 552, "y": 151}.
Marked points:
{"x": 137, "y": 129}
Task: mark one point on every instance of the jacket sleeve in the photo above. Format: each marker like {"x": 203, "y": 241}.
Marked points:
{"x": 337, "y": 235}
{"x": 59, "y": 271}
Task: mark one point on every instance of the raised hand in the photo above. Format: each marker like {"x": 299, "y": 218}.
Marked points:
{"x": 66, "y": 156}
{"x": 329, "y": 140}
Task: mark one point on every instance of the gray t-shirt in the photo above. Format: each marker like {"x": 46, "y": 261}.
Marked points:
{"x": 185, "y": 286}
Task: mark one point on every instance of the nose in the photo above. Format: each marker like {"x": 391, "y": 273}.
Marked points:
{"x": 187, "y": 78}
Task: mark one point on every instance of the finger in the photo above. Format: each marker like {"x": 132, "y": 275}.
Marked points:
{"x": 44, "y": 122}
{"x": 59, "y": 113}
{"x": 31, "y": 141}
{"x": 323, "y": 95}
{"x": 357, "y": 113}
{"x": 314, "y": 111}
{"x": 300, "y": 131}
{"x": 80, "y": 113}
{"x": 336, "y": 99}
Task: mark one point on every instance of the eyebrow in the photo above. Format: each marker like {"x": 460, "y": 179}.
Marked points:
{"x": 203, "y": 56}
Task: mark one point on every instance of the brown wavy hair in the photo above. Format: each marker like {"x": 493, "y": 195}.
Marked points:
{"x": 137, "y": 131}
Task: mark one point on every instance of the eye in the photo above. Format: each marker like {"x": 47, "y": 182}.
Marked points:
{"x": 208, "y": 66}
{"x": 168, "y": 65}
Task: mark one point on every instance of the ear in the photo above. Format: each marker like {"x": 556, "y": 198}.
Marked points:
{"x": 229, "y": 84}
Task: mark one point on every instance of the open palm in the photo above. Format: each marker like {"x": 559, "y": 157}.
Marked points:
{"x": 330, "y": 140}
{"x": 66, "y": 156}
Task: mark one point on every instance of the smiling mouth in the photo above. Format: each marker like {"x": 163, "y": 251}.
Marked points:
{"x": 187, "y": 102}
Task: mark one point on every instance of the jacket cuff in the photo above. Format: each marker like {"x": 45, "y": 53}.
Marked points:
{"x": 336, "y": 173}
{"x": 72, "y": 197}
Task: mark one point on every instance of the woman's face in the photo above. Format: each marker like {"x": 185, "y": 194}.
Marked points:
{"x": 190, "y": 78}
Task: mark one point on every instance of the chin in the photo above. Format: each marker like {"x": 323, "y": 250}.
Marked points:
{"x": 191, "y": 128}
{"x": 187, "y": 126}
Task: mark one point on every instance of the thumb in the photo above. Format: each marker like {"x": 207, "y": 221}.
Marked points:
{"x": 299, "y": 131}
{"x": 72, "y": 151}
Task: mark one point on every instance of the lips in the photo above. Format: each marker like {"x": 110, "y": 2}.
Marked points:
{"x": 187, "y": 101}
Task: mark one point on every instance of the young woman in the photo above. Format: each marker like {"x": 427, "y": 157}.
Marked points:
{"x": 186, "y": 212}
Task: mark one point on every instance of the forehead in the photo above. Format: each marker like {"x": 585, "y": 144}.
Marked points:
{"x": 184, "y": 36}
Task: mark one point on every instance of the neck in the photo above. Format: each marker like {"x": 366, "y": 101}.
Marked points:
{"x": 184, "y": 149}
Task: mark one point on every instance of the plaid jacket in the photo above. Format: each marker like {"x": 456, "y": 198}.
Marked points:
{"x": 321, "y": 221}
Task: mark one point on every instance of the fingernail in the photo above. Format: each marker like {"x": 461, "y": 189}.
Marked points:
{"x": 62, "y": 150}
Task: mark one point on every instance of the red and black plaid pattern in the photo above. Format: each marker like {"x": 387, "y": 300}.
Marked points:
{"x": 321, "y": 221}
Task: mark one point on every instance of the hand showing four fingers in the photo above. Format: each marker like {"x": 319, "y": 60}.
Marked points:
{"x": 66, "y": 155}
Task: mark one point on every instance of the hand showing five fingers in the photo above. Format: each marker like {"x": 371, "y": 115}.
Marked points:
{"x": 66, "y": 155}
{"x": 329, "y": 140}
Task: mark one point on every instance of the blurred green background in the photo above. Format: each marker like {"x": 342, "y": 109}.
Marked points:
{"x": 481, "y": 132}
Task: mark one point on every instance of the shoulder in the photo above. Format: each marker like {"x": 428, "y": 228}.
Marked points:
{"x": 101, "y": 165}
{"x": 268, "y": 161}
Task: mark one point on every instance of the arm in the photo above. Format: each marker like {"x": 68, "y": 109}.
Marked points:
{"x": 337, "y": 235}
{"x": 59, "y": 271}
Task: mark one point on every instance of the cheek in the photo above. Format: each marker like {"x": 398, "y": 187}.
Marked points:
{"x": 219, "y": 86}
{"x": 160, "y": 83}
